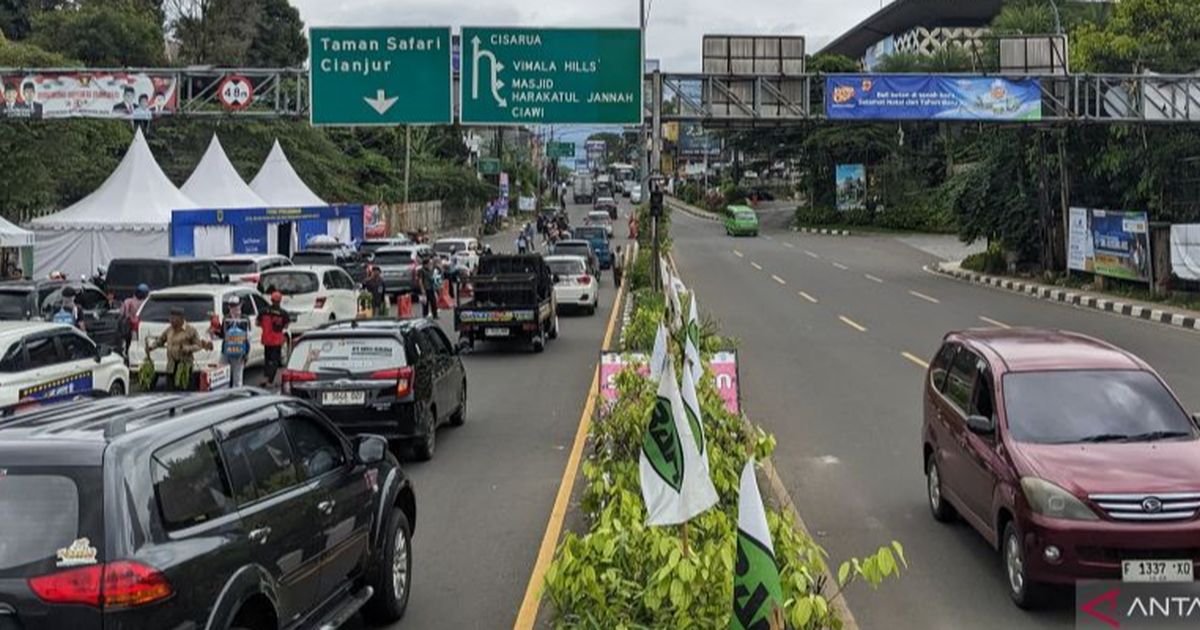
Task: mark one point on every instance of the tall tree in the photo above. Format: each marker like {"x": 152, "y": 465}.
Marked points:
{"x": 16, "y": 16}
{"x": 279, "y": 40}
{"x": 216, "y": 32}
{"x": 102, "y": 33}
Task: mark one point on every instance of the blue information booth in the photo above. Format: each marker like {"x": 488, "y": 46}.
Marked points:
{"x": 261, "y": 230}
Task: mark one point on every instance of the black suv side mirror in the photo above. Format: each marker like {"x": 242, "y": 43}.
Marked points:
{"x": 981, "y": 425}
{"x": 370, "y": 449}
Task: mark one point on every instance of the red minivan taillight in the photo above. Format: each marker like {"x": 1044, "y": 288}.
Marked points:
{"x": 403, "y": 377}
{"x": 118, "y": 584}
{"x": 287, "y": 377}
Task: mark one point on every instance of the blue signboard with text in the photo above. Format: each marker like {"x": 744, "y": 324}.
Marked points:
{"x": 931, "y": 97}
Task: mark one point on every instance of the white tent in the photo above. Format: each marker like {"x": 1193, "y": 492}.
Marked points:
{"x": 13, "y": 236}
{"x": 130, "y": 214}
{"x": 279, "y": 185}
{"x": 216, "y": 184}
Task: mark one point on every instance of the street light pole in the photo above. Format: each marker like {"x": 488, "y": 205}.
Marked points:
{"x": 642, "y": 86}
{"x": 1058, "y": 30}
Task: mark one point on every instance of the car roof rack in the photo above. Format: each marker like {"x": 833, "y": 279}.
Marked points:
{"x": 176, "y": 406}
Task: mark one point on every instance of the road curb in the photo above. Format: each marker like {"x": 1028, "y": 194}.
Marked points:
{"x": 1186, "y": 321}
{"x": 822, "y": 231}
{"x": 689, "y": 209}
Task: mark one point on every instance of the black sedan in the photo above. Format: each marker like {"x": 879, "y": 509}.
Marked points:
{"x": 39, "y": 299}
{"x": 401, "y": 379}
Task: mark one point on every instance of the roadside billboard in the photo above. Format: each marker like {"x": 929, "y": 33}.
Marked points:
{"x": 724, "y": 367}
{"x": 107, "y": 94}
{"x": 851, "y": 181}
{"x": 695, "y": 140}
{"x": 930, "y": 97}
{"x": 1109, "y": 243}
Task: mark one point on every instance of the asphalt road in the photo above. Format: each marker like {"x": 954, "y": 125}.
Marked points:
{"x": 823, "y": 324}
{"x": 484, "y": 500}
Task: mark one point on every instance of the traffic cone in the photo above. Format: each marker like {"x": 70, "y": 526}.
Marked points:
{"x": 443, "y": 299}
{"x": 404, "y": 306}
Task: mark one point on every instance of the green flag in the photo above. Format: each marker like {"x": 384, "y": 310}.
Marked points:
{"x": 757, "y": 594}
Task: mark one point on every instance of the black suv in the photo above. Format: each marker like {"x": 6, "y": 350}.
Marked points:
{"x": 40, "y": 299}
{"x": 125, "y": 274}
{"x": 401, "y": 379}
{"x": 348, "y": 259}
{"x": 236, "y": 509}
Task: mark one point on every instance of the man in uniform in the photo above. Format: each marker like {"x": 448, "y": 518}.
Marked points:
{"x": 274, "y": 322}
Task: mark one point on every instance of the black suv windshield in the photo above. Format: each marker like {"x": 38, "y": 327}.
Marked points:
{"x": 131, "y": 273}
{"x": 1100, "y": 405}
{"x": 14, "y": 303}
{"x": 347, "y": 355}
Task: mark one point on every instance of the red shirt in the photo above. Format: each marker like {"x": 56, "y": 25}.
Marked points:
{"x": 273, "y": 322}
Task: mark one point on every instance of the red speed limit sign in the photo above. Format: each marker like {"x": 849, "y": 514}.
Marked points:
{"x": 236, "y": 92}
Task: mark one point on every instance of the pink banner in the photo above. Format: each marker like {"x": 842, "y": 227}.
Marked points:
{"x": 724, "y": 366}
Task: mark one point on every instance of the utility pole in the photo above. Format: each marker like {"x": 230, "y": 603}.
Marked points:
{"x": 407, "y": 159}
{"x": 642, "y": 86}
{"x": 657, "y": 180}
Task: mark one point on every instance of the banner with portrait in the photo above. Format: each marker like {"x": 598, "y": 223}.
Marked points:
{"x": 106, "y": 94}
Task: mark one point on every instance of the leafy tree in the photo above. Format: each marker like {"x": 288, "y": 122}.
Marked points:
{"x": 1158, "y": 35}
{"x": 216, "y": 32}
{"x": 828, "y": 63}
{"x": 16, "y": 16}
{"x": 279, "y": 41}
{"x": 114, "y": 34}
{"x": 23, "y": 55}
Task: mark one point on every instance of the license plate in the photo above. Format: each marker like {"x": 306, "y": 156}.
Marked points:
{"x": 496, "y": 332}
{"x": 1156, "y": 571}
{"x": 338, "y": 399}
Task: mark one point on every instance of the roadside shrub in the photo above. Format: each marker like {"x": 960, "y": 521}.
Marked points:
{"x": 992, "y": 261}
{"x": 816, "y": 216}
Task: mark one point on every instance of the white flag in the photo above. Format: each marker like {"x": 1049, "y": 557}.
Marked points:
{"x": 691, "y": 345}
{"x": 691, "y": 406}
{"x": 675, "y": 481}
{"x": 673, "y": 308}
{"x": 757, "y": 595}
{"x": 659, "y": 357}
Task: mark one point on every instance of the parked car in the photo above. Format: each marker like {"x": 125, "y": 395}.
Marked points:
{"x": 42, "y": 362}
{"x": 232, "y": 509}
{"x": 199, "y": 303}
{"x": 465, "y": 250}
{"x": 582, "y": 248}
{"x": 1069, "y": 455}
{"x": 41, "y": 299}
{"x": 125, "y": 274}
{"x": 401, "y": 379}
{"x": 312, "y": 294}
{"x": 599, "y": 218}
{"x": 398, "y": 266}
{"x": 244, "y": 269}
{"x": 741, "y": 221}
{"x": 369, "y": 247}
{"x": 349, "y": 260}
{"x": 574, "y": 287}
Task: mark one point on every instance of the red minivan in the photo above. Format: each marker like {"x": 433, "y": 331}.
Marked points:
{"x": 1069, "y": 455}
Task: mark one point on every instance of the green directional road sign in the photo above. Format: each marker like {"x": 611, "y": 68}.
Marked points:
{"x": 560, "y": 149}
{"x": 525, "y": 76}
{"x": 380, "y": 76}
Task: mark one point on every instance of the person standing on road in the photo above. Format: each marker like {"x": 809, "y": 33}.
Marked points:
{"x": 234, "y": 333}
{"x": 618, "y": 267}
{"x": 427, "y": 282}
{"x": 129, "y": 315}
{"x": 69, "y": 312}
{"x": 274, "y": 322}
{"x": 522, "y": 242}
{"x": 182, "y": 343}
{"x": 375, "y": 287}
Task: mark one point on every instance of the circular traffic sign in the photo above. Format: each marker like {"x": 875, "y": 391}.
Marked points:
{"x": 236, "y": 92}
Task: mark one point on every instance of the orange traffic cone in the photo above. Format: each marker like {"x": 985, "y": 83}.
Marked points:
{"x": 444, "y": 297}
{"x": 404, "y": 306}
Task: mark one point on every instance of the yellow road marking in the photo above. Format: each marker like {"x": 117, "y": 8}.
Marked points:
{"x": 915, "y": 359}
{"x": 527, "y": 615}
{"x": 874, "y": 279}
{"x": 756, "y": 266}
{"x": 779, "y": 280}
{"x": 738, "y": 254}
{"x": 853, "y": 324}
{"x": 808, "y": 297}
{"x": 918, "y": 294}
{"x": 812, "y": 255}
{"x": 841, "y": 266}
{"x": 996, "y": 323}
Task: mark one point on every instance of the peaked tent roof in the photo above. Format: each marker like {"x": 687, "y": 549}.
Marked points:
{"x": 13, "y": 236}
{"x": 279, "y": 185}
{"x": 216, "y": 184}
{"x": 137, "y": 194}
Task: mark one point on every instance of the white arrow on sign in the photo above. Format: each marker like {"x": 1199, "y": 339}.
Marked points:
{"x": 381, "y": 103}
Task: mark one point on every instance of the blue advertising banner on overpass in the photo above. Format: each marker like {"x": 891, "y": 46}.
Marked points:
{"x": 931, "y": 97}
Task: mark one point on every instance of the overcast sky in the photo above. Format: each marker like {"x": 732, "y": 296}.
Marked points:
{"x": 676, "y": 26}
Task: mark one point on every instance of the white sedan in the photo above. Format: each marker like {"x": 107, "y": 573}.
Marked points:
{"x": 44, "y": 362}
{"x": 199, "y": 304}
{"x": 574, "y": 287}
{"x": 312, "y": 295}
